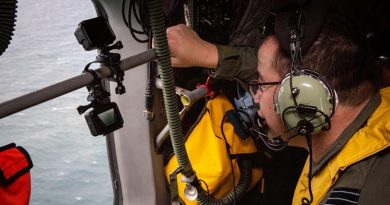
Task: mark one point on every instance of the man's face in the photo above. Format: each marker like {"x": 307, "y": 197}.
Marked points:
{"x": 264, "y": 97}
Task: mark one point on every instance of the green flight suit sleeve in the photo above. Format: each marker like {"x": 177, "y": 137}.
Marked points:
{"x": 236, "y": 63}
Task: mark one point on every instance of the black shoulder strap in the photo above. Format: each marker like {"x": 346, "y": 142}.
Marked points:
{"x": 15, "y": 162}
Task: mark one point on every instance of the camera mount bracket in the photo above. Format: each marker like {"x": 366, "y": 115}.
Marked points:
{"x": 112, "y": 60}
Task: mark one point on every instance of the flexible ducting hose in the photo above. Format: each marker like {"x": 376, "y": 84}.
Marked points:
{"x": 236, "y": 194}
{"x": 157, "y": 23}
{"x": 158, "y": 27}
{"x": 7, "y": 22}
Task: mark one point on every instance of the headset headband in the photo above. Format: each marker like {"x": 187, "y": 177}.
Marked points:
{"x": 312, "y": 17}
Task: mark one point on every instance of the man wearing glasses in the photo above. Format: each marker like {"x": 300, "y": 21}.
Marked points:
{"x": 347, "y": 160}
{"x": 348, "y": 156}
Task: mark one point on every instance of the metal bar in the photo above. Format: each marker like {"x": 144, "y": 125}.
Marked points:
{"x": 188, "y": 98}
{"x": 34, "y": 98}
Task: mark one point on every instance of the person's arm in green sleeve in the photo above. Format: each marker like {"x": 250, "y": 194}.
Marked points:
{"x": 225, "y": 62}
{"x": 236, "y": 63}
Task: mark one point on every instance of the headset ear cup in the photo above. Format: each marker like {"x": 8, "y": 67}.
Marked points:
{"x": 277, "y": 94}
{"x": 310, "y": 107}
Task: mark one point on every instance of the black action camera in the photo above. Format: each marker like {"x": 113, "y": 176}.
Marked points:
{"x": 94, "y": 33}
{"x": 104, "y": 118}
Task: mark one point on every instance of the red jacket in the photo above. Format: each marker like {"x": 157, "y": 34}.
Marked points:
{"x": 15, "y": 181}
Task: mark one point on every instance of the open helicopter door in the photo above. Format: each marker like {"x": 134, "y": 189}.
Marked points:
{"x": 136, "y": 169}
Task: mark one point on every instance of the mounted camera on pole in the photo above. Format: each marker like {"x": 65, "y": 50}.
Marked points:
{"x": 105, "y": 116}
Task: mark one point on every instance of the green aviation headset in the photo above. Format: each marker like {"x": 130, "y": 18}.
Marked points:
{"x": 305, "y": 100}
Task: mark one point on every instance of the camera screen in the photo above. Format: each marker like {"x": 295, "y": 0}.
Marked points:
{"x": 107, "y": 117}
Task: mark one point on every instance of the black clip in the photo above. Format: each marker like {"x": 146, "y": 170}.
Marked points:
{"x": 112, "y": 60}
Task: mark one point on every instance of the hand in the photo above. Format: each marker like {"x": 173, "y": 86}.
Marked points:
{"x": 188, "y": 49}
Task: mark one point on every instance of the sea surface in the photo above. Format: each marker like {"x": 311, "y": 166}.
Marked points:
{"x": 70, "y": 166}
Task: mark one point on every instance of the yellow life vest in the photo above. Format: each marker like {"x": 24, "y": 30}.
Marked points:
{"x": 371, "y": 139}
{"x": 206, "y": 149}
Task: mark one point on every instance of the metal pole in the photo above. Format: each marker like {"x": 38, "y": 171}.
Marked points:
{"x": 34, "y": 98}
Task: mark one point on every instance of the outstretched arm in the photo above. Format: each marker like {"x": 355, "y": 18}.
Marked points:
{"x": 226, "y": 62}
{"x": 188, "y": 49}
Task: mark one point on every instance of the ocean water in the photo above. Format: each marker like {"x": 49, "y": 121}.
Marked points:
{"x": 70, "y": 166}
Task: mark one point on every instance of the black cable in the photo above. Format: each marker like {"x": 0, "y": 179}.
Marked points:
{"x": 305, "y": 200}
{"x": 207, "y": 187}
{"x": 267, "y": 144}
{"x": 134, "y": 10}
{"x": 256, "y": 133}
{"x": 327, "y": 119}
{"x": 293, "y": 90}
{"x": 123, "y": 13}
{"x": 130, "y": 26}
{"x": 150, "y": 86}
{"x": 229, "y": 155}
{"x": 296, "y": 54}
{"x": 144, "y": 15}
{"x": 140, "y": 18}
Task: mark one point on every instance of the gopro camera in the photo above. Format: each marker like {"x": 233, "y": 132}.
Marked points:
{"x": 94, "y": 33}
{"x": 104, "y": 119}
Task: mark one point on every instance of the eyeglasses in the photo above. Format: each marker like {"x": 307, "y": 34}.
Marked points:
{"x": 255, "y": 86}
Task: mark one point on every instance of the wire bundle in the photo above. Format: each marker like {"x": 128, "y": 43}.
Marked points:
{"x": 136, "y": 9}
